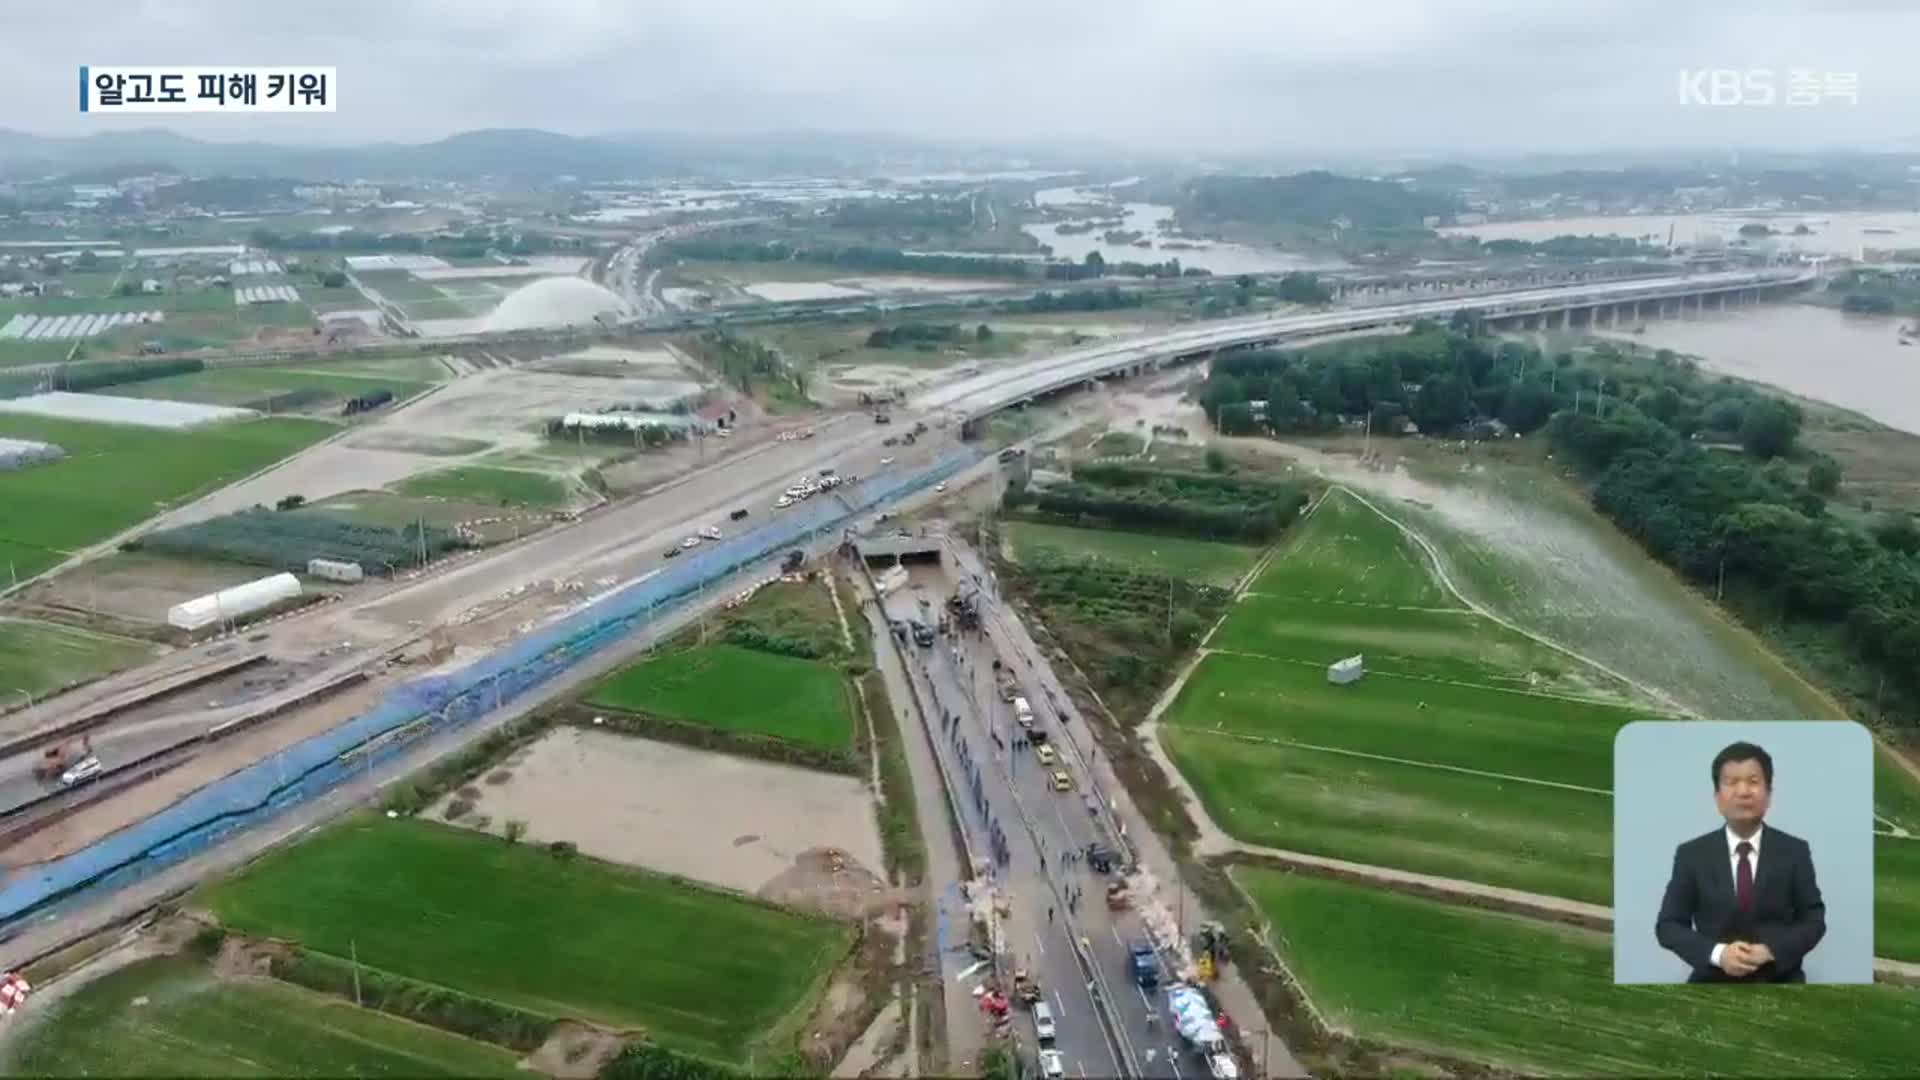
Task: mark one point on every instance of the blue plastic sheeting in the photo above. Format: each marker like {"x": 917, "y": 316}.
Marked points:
{"x": 424, "y": 707}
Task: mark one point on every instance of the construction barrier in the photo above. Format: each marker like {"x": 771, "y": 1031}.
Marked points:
{"x": 424, "y": 707}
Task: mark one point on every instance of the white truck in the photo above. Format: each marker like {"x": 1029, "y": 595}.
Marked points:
{"x": 1022, "y": 711}
{"x": 1193, "y": 1019}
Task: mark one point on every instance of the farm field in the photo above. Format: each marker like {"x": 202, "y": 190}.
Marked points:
{"x": 1551, "y": 840}
{"x": 1346, "y": 553}
{"x": 243, "y": 386}
{"x": 701, "y": 971}
{"x": 1538, "y": 997}
{"x": 1516, "y": 793}
{"x": 36, "y": 657}
{"x": 1503, "y": 731}
{"x": 735, "y": 689}
{"x": 189, "y": 1023}
{"x": 1194, "y": 560}
{"x": 116, "y": 476}
{"x": 384, "y": 508}
{"x": 484, "y": 484}
{"x": 1428, "y": 643}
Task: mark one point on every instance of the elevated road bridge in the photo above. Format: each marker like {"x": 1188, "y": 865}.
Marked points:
{"x": 1583, "y": 303}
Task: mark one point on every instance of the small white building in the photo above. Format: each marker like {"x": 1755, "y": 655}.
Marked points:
{"x": 1342, "y": 672}
{"x": 335, "y": 570}
{"x": 150, "y": 285}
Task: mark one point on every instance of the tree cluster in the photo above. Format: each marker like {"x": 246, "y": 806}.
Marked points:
{"x": 1191, "y": 504}
{"x": 1108, "y": 299}
{"x": 1727, "y": 519}
{"x": 744, "y": 361}
{"x": 911, "y": 334}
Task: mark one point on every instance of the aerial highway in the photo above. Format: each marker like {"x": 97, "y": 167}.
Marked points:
{"x": 998, "y": 388}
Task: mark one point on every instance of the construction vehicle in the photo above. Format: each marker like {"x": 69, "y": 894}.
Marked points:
{"x": 1210, "y": 941}
{"x": 60, "y": 757}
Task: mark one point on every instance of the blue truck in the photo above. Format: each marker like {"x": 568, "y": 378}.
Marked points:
{"x": 1146, "y": 965}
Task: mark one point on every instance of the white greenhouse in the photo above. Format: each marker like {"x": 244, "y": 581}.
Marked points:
{"x": 1342, "y": 672}
{"x": 235, "y": 603}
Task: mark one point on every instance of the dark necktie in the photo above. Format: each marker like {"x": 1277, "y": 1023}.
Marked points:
{"x": 1743, "y": 881}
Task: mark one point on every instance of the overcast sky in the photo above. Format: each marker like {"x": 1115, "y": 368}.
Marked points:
{"x": 1226, "y": 75}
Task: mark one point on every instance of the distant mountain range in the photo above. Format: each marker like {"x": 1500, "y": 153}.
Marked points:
{"x": 519, "y": 154}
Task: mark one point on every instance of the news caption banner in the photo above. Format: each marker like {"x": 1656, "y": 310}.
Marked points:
{"x": 147, "y": 89}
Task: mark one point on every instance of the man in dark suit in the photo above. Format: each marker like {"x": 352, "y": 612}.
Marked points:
{"x": 1742, "y": 904}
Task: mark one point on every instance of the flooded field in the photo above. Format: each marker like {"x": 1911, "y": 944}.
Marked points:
{"x": 710, "y": 817}
{"x": 1106, "y": 203}
{"x": 1526, "y": 546}
{"x": 1842, "y": 233}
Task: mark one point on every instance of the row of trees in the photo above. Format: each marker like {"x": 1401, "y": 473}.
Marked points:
{"x": 1111, "y": 298}
{"x": 852, "y": 258}
{"x": 1095, "y": 265}
{"x": 1190, "y": 504}
{"x": 920, "y": 334}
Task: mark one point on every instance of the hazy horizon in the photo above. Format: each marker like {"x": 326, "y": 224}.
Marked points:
{"x": 1232, "y": 77}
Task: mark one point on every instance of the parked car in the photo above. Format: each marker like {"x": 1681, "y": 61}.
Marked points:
{"x": 710, "y": 533}
{"x": 886, "y": 461}
{"x": 690, "y": 543}
{"x": 1052, "y": 1065}
{"x": 671, "y": 553}
{"x": 738, "y": 514}
{"x": 783, "y": 502}
{"x": 941, "y": 486}
{"x": 85, "y": 769}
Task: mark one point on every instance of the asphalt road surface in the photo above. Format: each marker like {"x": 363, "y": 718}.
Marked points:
{"x": 1041, "y": 827}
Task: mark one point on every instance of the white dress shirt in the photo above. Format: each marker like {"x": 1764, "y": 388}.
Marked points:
{"x": 1733, "y": 865}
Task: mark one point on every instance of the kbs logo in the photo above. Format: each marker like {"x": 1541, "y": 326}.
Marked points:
{"x": 1763, "y": 86}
